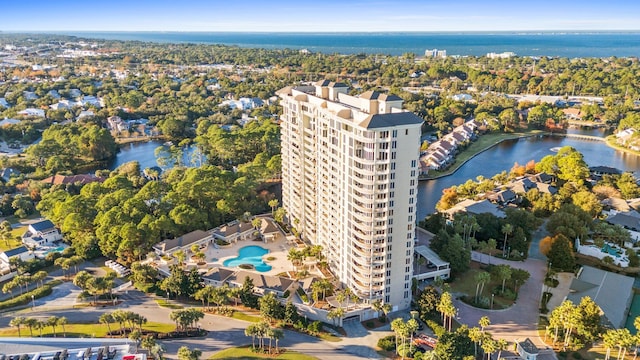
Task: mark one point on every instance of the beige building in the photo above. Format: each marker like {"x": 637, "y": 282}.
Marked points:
{"x": 349, "y": 184}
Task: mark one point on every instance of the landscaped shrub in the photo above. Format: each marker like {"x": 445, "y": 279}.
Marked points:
{"x": 509, "y": 294}
{"x": 437, "y": 329}
{"x": 387, "y": 343}
{"x": 25, "y": 298}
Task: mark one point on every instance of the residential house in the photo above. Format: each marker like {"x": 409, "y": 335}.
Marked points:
{"x": 4, "y": 103}
{"x": 264, "y": 284}
{"x": 81, "y": 179}
{"x": 599, "y": 171}
{"x": 541, "y": 178}
{"x": 475, "y": 207}
{"x": 269, "y": 230}
{"x": 32, "y": 112}
{"x": 629, "y": 220}
{"x": 622, "y": 137}
{"x": 502, "y": 197}
{"x": 54, "y": 94}
{"x": 41, "y": 233}
{"x": 234, "y": 231}
{"x": 21, "y": 253}
{"x": 85, "y": 113}
{"x": 8, "y": 173}
{"x": 74, "y": 93}
{"x": 115, "y": 123}
{"x": 184, "y": 242}
{"x": 29, "y": 95}
{"x": 572, "y": 114}
{"x": 610, "y": 291}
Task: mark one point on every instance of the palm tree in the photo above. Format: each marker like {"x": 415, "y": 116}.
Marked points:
{"x": 31, "y": 323}
{"x": 489, "y": 346}
{"x": 53, "y": 321}
{"x": 484, "y": 322}
{"x": 336, "y": 313}
{"x": 273, "y": 203}
{"x": 17, "y": 322}
{"x": 475, "y": 335}
{"x": 252, "y": 330}
{"x": 501, "y": 346}
{"x": 507, "y": 229}
{"x": 277, "y": 335}
{"x": 481, "y": 278}
{"x": 636, "y": 324}
{"x": 106, "y": 318}
{"x": 62, "y": 321}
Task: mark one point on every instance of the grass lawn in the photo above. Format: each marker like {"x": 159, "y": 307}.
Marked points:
{"x": 244, "y": 353}
{"x": 11, "y": 244}
{"x": 83, "y": 330}
{"x": 465, "y": 283}
{"x": 484, "y": 142}
{"x": 239, "y": 315}
{"x": 168, "y": 304}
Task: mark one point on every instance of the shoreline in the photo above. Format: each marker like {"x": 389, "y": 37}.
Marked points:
{"x": 455, "y": 168}
{"x": 607, "y": 140}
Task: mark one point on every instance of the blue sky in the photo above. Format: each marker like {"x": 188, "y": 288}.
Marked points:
{"x": 318, "y": 15}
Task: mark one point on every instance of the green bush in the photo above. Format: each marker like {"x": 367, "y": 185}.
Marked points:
{"x": 25, "y": 298}
{"x": 387, "y": 343}
{"x": 509, "y": 294}
{"x": 437, "y": 329}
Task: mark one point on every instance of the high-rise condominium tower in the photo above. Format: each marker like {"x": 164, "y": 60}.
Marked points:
{"x": 349, "y": 184}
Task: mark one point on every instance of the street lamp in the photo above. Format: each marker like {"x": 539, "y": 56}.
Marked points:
{"x": 492, "y": 295}
{"x": 33, "y": 302}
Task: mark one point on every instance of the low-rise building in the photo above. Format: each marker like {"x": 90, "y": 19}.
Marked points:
{"x": 184, "y": 242}
{"x": 41, "y": 233}
{"x": 264, "y": 284}
{"x": 234, "y": 231}
{"x": 21, "y": 252}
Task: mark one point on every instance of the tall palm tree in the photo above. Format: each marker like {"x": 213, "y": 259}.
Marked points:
{"x": 481, "y": 278}
{"x": 507, "y": 229}
{"x": 106, "y": 318}
{"x": 17, "y": 322}
{"x": 53, "y": 322}
{"x": 62, "y": 321}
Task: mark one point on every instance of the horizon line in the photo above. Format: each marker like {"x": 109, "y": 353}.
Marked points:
{"x": 568, "y": 31}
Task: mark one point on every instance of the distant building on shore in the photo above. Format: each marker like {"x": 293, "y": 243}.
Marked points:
{"x": 502, "y": 55}
{"x": 435, "y": 53}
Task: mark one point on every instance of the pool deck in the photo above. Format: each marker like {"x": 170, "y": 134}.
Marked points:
{"x": 216, "y": 255}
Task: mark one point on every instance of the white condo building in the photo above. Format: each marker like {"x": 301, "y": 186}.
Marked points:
{"x": 349, "y": 184}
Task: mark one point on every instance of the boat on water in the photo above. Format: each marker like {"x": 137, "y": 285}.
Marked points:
{"x": 555, "y": 149}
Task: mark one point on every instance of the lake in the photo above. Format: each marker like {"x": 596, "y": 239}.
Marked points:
{"x": 498, "y": 158}
{"x": 504, "y": 155}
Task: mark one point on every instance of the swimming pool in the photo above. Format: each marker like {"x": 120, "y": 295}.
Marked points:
{"x": 58, "y": 249}
{"x": 251, "y": 255}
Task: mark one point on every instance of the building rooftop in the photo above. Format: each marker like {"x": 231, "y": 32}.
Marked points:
{"x": 16, "y": 251}
{"x": 430, "y": 255}
{"x": 42, "y": 226}
{"x": 182, "y": 241}
{"x": 391, "y": 119}
{"x": 71, "y": 348}
{"x": 610, "y": 291}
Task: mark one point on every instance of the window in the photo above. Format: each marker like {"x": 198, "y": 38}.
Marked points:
{"x": 388, "y": 272}
{"x": 412, "y": 191}
{"x": 391, "y": 203}
{"x": 384, "y": 134}
{"x": 406, "y": 294}
{"x": 388, "y": 247}
{"x": 410, "y": 218}
{"x": 395, "y": 133}
{"x": 394, "y": 144}
{"x": 408, "y": 261}
{"x": 393, "y": 155}
{"x": 406, "y": 269}
{"x": 410, "y": 200}
{"x": 393, "y": 176}
{"x": 413, "y": 183}
{"x": 413, "y": 172}
{"x": 391, "y": 194}
{"x": 410, "y": 209}
{"x": 409, "y": 236}
{"x": 388, "y": 281}
{"x": 406, "y": 131}
{"x": 386, "y": 298}
{"x": 392, "y": 186}
{"x": 406, "y": 285}
{"x": 390, "y": 222}
{"x": 413, "y": 163}
{"x": 393, "y": 166}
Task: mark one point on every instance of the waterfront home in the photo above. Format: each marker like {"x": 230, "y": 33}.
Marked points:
{"x": 41, "y": 233}
{"x": 610, "y": 291}
{"x": 474, "y": 207}
{"x": 572, "y": 114}
{"x": 7, "y": 122}
{"x": 21, "y": 253}
{"x": 184, "y": 242}
{"x": 502, "y": 197}
{"x": 115, "y": 123}
{"x": 523, "y": 185}
{"x": 622, "y": 137}
{"x": 541, "y": 178}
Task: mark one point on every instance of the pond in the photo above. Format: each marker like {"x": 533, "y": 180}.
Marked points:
{"x": 504, "y": 155}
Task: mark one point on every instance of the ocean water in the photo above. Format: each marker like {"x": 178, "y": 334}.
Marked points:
{"x": 560, "y": 44}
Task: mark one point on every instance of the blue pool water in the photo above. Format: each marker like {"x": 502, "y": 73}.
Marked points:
{"x": 251, "y": 255}
{"x": 611, "y": 251}
{"x": 58, "y": 249}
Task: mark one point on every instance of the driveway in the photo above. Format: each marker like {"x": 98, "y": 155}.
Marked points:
{"x": 520, "y": 321}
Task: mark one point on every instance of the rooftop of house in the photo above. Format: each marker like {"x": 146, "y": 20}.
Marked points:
{"x": 16, "y": 251}
{"x": 42, "y": 226}
{"x": 218, "y": 274}
{"x": 626, "y": 220}
{"x": 73, "y": 179}
{"x": 268, "y": 282}
{"x": 610, "y": 291}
